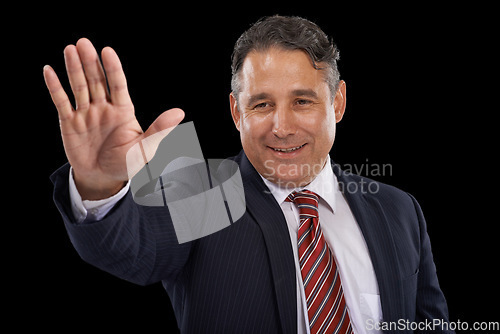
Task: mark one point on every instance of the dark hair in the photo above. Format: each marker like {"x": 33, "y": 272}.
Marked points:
{"x": 289, "y": 33}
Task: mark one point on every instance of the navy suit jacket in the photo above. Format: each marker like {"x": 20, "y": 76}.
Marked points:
{"x": 242, "y": 279}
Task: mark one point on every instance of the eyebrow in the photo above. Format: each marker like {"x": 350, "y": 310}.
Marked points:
{"x": 304, "y": 92}
{"x": 257, "y": 97}
{"x": 297, "y": 92}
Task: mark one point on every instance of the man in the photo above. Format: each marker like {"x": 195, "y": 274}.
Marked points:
{"x": 317, "y": 250}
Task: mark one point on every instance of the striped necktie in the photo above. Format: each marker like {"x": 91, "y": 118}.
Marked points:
{"x": 326, "y": 306}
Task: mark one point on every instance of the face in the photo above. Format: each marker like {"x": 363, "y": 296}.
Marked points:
{"x": 286, "y": 115}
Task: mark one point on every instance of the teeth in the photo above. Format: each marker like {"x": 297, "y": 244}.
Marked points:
{"x": 287, "y": 150}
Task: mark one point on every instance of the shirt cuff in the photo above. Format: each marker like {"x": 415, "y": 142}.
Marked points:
{"x": 91, "y": 211}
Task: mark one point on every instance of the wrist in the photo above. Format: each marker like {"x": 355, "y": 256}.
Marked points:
{"x": 95, "y": 188}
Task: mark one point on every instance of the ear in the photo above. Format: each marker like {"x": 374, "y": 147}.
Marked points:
{"x": 339, "y": 101}
{"x": 233, "y": 104}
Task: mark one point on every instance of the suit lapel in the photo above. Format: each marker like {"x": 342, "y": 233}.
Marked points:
{"x": 262, "y": 206}
{"x": 370, "y": 217}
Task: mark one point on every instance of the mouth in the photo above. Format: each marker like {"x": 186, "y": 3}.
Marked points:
{"x": 287, "y": 150}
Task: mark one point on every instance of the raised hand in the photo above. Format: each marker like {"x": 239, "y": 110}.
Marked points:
{"x": 98, "y": 133}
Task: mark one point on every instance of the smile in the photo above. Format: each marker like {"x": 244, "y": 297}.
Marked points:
{"x": 287, "y": 150}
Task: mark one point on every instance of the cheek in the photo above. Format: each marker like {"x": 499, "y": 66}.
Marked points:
{"x": 252, "y": 129}
{"x": 323, "y": 128}
{"x": 254, "y": 125}
{"x": 328, "y": 130}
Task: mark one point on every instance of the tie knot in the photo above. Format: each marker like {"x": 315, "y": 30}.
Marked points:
{"x": 306, "y": 201}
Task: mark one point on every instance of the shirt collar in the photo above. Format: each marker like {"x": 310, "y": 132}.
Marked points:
{"x": 324, "y": 184}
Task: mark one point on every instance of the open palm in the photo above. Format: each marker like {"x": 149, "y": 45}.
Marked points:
{"x": 101, "y": 129}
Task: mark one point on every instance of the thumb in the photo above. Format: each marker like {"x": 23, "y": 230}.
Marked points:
{"x": 159, "y": 129}
{"x": 144, "y": 150}
{"x": 168, "y": 120}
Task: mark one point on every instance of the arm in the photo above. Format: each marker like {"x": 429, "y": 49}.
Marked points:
{"x": 132, "y": 242}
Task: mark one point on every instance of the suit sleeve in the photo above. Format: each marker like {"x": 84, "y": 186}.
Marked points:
{"x": 431, "y": 303}
{"x": 132, "y": 242}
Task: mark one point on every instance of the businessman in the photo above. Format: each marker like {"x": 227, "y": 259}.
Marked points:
{"x": 317, "y": 250}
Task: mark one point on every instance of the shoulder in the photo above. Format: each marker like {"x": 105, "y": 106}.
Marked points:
{"x": 377, "y": 193}
{"x": 353, "y": 183}
{"x": 378, "y": 206}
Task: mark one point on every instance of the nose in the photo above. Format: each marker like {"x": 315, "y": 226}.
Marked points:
{"x": 284, "y": 122}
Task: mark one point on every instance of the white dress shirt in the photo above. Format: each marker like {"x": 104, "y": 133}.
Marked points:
{"x": 340, "y": 230}
{"x": 349, "y": 248}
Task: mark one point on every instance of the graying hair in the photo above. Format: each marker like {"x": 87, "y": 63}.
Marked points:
{"x": 288, "y": 33}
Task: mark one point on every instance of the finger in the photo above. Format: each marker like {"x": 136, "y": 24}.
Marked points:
{"x": 76, "y": 77}
{"x": 159, "y": 129}
{"x": 116, "y": 78}
{"x": 59, "y": 97}
{"x": 94, "y": 72}
{"x": 168, "y": 119}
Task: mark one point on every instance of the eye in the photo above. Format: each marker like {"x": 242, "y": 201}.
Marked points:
{"x": 303, "y": 102}
{"x": 261, "y": 105}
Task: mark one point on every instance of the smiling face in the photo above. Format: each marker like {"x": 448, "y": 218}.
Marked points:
{"x": 286, "y": 115}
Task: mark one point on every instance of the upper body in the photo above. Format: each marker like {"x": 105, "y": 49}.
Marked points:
{"x": 286, "y": 100}
{"x": 244, "y": 278}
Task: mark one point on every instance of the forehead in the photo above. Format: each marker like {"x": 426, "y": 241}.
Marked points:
{"x": 277, "y": 70}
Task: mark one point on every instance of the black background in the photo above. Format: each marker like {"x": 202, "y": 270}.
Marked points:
{"x": 418, "y": 87}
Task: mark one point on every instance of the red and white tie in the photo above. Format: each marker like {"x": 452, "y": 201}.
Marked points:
{"x": 324, "y": 294}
